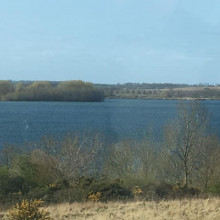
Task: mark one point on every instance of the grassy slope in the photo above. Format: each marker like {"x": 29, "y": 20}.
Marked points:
{"x": 207, "y": 209}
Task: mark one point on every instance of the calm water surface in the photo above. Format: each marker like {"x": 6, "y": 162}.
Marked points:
{"x": 116, "y": 119}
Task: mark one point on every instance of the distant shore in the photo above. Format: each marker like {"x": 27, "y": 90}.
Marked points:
{"x": 163, "y": 91}
{"x": 189, "y": 99}
{"x": 79, "y": 91}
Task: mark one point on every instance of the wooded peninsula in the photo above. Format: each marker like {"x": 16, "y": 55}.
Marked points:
{"x": 74, "y": 90}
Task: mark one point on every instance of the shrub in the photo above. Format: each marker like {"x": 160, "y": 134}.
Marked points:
{"x": 137, "y": 191}
{"x": 4, "y": 179}
{"x": 15, "y": 184}
{"x": 163, "y": 190}
{"x": 181, "y": 191}
{"x": 28, "y": 171}
{"x": 28, "y": 210}
{"x": 9, "y": 184}
{"x": 111, "y": 191}
{"x": 95, "y": 197}
{"x": 214, "y": 189}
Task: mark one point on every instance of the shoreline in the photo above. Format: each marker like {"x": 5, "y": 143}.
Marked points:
{"x": 184, "y": 99}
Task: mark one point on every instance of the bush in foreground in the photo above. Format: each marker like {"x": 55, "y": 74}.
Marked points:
{"x": 29, "y": 210}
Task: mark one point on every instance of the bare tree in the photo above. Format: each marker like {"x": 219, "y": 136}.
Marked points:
{"x": 78, "y": 155}
{"x": 131, "y": 160}
{"x": 120, "y": 160}
{"x": 182, "y": 139}
{"x": 7, "y": 155}
{"x": 207, "y": 162}
{"x": 147, "y": 155}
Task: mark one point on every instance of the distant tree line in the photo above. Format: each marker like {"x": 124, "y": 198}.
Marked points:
{"x": 74, "y": 90}
{"x": 151, "y": 85}
{"x": 211, "y": 93}
{"x": 162, "y": 92}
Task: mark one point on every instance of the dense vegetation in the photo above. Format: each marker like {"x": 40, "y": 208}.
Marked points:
{"x": 85, "y": 167}
{"x": 49, "y": 91}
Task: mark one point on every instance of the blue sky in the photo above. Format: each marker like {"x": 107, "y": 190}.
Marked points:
{"x": 111, "y": 41}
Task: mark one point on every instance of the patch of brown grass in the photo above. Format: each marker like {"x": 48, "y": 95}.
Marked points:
{"x": 201, "y": 209}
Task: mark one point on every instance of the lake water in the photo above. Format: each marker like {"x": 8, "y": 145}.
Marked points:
{"x": 115, "y": 119}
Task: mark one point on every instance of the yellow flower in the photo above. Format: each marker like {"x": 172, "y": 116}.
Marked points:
{"x": 94, "y": 197}
{"x": 137, "y": 191}
{"x": 28, "y": 210}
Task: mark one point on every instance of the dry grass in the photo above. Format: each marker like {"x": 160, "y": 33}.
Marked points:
{"x": 207, "y": 209}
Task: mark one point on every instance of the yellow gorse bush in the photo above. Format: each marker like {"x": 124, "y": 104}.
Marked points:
{"x": 137, "y": 191}
{"x": 178, "y": 186}
{"x": 95, "y": 197}
{"x": 52, "y": 186}
{"x": 28, "y": 210}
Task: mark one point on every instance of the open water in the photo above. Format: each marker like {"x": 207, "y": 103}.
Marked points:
{"x": 115, "y": 119}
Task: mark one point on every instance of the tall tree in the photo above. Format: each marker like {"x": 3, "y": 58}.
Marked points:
{"x": 182, "y": 139}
